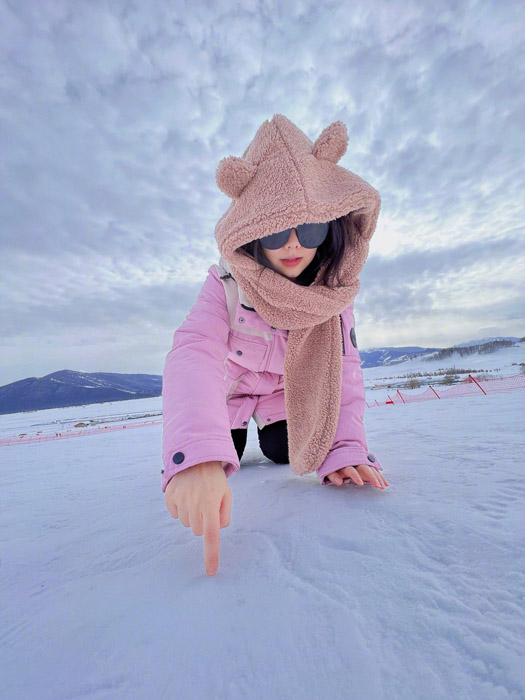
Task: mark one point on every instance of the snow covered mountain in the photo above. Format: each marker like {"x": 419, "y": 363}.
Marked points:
{"x": 69, "y": 388}
{"x": 381, "y": 357}
{"x": 385, "y": 357}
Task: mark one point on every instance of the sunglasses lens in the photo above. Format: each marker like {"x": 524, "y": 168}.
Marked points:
{"x": 312, "y": 235}
{"x": 275, "y": 240}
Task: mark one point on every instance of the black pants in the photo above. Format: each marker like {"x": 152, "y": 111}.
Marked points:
{"x": 273, "y": 440}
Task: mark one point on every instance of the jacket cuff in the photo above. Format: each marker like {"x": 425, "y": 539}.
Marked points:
{"x": 345, "y": 457}
{"x": 197, "y": 452}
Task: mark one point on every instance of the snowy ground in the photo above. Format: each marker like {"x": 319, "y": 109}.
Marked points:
{"x": 416, "y": 591}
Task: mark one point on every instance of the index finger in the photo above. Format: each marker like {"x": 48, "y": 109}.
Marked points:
{"x": 211, "y": 531}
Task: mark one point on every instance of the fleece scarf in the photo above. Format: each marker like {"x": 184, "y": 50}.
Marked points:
{"x": 283, "y": 180}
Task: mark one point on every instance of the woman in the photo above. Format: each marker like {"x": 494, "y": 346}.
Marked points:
{"x": 262, "y": 317}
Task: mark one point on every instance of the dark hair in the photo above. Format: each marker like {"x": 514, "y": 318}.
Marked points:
{"x": 342, "y": 235}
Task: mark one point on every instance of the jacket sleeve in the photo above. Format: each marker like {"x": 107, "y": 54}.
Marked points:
{"x": 349, "y": 447}
{"x": 196, "y": 426}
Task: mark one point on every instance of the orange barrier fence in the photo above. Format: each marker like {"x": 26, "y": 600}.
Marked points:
{"x": 25, "y": 438}
{"x": 467, "y": 387}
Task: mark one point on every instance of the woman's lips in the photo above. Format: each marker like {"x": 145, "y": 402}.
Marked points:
{"x": 291, "y": 263}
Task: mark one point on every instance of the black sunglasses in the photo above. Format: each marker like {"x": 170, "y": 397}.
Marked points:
{"x": 309, "y": 235}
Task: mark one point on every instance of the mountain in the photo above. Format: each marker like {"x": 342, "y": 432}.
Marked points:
{"x": 386, "y": 357}
{"x": 69, "y": 388}
{"x": 380, "y": 357}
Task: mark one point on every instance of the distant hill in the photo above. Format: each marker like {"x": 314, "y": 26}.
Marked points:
{"x": 386, "y": 357}
{"x": 477, "y": 347}
{"x": 381, "y": 357}
{"x": 485, "y": 341}
{"x": 69, "y": 388}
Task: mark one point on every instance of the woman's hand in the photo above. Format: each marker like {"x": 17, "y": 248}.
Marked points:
{"x": 200, "y": 497}
{"x": 358, "y": 474}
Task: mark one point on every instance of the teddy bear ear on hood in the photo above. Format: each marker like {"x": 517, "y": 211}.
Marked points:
{"x": 233, "y": 174}
{"x": 331, "y": 143}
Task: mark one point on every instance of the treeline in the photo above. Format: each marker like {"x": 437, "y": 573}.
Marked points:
{"x": 491, "y": 346}
{"x": 450, "y": 370}
{"x": 440, "y": 372}
{"x": 450, "y": 375}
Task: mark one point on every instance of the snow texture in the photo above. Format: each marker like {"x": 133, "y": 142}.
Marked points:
{"x": 416, "y": 591}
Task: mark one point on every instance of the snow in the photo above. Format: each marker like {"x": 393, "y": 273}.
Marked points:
{"x": 416, "y": 591}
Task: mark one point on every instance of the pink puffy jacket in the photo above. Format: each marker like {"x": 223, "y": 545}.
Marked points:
{"x": 226, "y": 366}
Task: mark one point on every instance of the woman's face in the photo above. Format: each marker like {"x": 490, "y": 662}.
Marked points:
{"x": 291, "y": 249}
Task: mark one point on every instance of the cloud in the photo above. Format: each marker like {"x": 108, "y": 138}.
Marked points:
{"x": 114, "y": 118}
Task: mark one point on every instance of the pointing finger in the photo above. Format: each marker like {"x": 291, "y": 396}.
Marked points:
{"x": 211, "y": 531}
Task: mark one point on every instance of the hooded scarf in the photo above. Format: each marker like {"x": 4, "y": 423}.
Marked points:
{"x": 283, "y": 180}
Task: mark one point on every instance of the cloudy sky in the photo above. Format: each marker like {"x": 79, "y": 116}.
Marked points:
{"x": 114, "y": 117}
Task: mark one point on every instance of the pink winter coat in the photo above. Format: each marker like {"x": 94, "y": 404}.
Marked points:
{"x": 226, "y": 366}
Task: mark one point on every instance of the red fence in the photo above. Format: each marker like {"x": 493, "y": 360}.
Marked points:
{"x": 467, "y": 387}
{"x": 25, "y": 438}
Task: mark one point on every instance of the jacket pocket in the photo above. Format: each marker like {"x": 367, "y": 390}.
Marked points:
{"x": 250, "y": 354}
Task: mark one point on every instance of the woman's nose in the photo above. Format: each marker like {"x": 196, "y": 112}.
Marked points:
{"x": 293, "y": 237}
